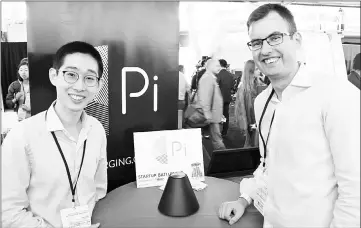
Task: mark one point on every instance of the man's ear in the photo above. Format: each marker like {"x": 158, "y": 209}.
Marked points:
{"x": 299, "y": 50}
{"x": 101, "y": 83}
{"x": 298, "y": 38}
{"x": 53, "y": 76}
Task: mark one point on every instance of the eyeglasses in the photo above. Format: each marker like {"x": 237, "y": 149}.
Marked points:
{"x": 272, "y": 40}
{"x": 72, "y": 77}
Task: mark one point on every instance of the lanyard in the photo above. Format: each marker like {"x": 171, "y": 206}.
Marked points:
{"x": 72, "y": 188}
{"x": 260, "y": 122}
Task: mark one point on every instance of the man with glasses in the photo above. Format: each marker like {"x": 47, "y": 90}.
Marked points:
{"x": 309, "y": 129}
{"x": 54, "y": 164}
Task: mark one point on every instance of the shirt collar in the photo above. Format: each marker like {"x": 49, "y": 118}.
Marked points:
{"x": 53, "y": 122}
{"x": 303, "y": 78}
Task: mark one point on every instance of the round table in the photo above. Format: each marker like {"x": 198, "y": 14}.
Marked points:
{"x": 129, "y": 206}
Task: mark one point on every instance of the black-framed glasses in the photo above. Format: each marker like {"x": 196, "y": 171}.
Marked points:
{"x": 71, "y": 77}
{"x": 273, "y": 40}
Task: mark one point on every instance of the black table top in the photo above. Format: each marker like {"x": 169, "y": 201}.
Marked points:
{"x": 128, "y": 206}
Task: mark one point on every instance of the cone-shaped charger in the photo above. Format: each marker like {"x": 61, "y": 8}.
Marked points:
{"x": 178, "y": 198}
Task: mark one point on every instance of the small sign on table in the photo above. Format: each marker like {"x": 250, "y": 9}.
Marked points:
{"x": 161, "y": 153}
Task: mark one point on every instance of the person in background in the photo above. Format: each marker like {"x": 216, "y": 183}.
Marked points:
{"x": 200, "y": 70}
{"x": 309, "y": 128}
{"x": 209, "y": 99}
{"x": 183, "y": 89}
{"x": 57, "y": 160}
{"x": 262, "y": 79}
{"x": 354, "y": 76}
{"x": 18, "y": 96}
{"x": 244, "y": 105}
{"x": 225, "y": 80}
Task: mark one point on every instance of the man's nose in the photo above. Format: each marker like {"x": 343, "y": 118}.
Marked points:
{"x": 79, "y": 84}
{"x": 266, "y": 48}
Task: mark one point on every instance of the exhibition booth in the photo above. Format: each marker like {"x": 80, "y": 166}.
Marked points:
{"x": 141, "y": 45}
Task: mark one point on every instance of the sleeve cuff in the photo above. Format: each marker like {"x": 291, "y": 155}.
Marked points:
{"x": 247, "y": 198}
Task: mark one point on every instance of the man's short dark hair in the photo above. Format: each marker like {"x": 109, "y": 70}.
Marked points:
{"x": 262, "y": 11}
{"x": 77, "y": 47}
{"x": 204, "y": 60}
{"x": 223, "y": 63}
{"x": 356, "y": 62}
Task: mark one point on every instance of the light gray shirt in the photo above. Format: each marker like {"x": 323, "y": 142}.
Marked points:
{"x": 35, "y": 184}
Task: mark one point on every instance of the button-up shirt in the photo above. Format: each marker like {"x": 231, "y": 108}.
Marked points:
{"x": 35, "y": 185}
{"x": 313, "y": 153}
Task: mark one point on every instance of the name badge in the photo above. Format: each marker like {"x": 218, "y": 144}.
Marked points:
{"x": 261, "y": 195}
{"x": 76, "y": 217}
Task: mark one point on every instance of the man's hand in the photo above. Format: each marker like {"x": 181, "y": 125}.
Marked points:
{"x": 232, "y": 211}
{"x": 19, "y": 95}
{"x": 25, "y": 107}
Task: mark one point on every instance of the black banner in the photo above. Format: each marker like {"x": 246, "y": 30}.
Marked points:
{"x": 138, "y": 42}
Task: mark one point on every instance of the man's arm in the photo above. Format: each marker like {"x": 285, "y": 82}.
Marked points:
{"x": 232, "y": 211}
{"x": 16, "y": 172}
{"x": 205, "y": 95}
{"x": 342, "y": 127}
{"x": 101, "y": 176}
{"x": 10, "y": 99}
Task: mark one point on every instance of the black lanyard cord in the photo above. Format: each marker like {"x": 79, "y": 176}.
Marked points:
{"x": 67, "y": 167}
{"x": 260, "y": 122}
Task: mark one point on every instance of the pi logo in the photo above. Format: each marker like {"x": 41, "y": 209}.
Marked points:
{"x": 142, "y": 91}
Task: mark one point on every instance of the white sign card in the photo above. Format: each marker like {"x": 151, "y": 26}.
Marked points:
{"x": 161, "y": 153}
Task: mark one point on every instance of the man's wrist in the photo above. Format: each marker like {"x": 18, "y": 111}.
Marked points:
{"x": 244, "y": 198}
{"x": 243, "y": 202}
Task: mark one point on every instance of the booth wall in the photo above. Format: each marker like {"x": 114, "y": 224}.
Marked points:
{"x": 135, "y": 34}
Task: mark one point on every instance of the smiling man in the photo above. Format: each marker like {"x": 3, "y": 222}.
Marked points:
{"x": 309, "y": 129}
{"x": 55, "y": 162}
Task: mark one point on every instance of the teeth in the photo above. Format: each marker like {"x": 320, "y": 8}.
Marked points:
{"x": 75, "y": 97}
{"x": 271, "y": 60}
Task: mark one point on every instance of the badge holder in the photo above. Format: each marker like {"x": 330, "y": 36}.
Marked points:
{"x": 77, "y": 216}
{"x": 261, "y": 195}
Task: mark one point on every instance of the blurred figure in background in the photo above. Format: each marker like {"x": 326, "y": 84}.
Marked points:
{"x": 18, "y": 96}
{"x": 244, "y": 104}
{"x": 200, "y": 70}
{"x": 354, "y": 76}
{"x": 209, "y": 99}
{"x": 183, "y": 89}
{"x": 225, "y": 81}
{"x": 261, "y": 78}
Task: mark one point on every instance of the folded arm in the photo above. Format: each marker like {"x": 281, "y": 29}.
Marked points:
{"x": 10, "y": 98}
